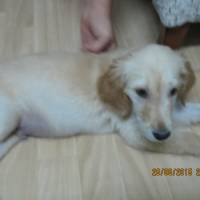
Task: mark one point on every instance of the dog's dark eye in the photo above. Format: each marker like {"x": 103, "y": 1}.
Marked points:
{"x": 173, "y": 92}
{"x": 141, "y": 92}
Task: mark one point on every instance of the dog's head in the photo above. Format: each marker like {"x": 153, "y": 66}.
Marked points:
{"x": 147, "y": 85}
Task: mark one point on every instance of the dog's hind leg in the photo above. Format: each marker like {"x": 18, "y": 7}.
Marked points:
{"x": 9, "y": 122}
{"x": 10, "y": 142}
{"x": 9, "y": 117}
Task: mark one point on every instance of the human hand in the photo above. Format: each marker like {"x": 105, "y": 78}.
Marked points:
{"x": 96, "y": 29}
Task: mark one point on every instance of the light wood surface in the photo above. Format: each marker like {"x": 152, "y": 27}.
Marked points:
{"x": 86, "y": 167}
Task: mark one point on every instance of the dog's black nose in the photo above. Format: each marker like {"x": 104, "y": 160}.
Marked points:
{"x": 161, "y": 135}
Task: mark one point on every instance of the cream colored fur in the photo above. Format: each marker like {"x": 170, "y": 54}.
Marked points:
{"x": 61, "y": 94}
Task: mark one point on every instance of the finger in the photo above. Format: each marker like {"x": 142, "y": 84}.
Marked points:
{"x": 98, "y": 45}
{"x": 94, "y": 43}
{"x": 114, "y": 43}
{"x": 111, "y": 45}
{"x": 86, "y": 35}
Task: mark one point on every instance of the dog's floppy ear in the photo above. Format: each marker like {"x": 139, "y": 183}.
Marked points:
{"x": 188, "y": 79}
{"x": 111, "y": 92}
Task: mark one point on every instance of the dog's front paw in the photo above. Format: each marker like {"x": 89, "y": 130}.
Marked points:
{"x": 184, "y": 141}
{"x": 172, "y": 148}
{"x": 188, "y": 114}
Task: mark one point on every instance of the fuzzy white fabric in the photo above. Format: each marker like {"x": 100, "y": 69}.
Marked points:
{"x": 177, "y": 12}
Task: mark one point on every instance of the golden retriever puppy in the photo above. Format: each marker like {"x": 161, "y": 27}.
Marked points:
{"x": 141, "y": 96}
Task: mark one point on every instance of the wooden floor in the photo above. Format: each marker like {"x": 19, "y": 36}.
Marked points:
{"x": 86, "y": 167}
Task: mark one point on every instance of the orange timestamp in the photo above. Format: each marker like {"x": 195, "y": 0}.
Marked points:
{"x": 175, "y": 171}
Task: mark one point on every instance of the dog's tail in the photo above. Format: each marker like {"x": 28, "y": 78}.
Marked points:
{"x": 7, "y": 145}
{"x": 188, "y": 114}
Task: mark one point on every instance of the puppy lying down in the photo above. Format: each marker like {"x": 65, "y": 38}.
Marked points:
{"x": 140, "y": 95}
